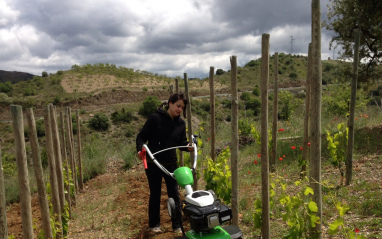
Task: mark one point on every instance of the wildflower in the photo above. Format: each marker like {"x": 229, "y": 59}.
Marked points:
{"x": 332, "y": 121}
{"x": 335, "y": 118}
{"x": 367, "y": 116}
{"x": 208, "y": 139}
{"x": 364, "y": 115}
{"x": 259, "y": 155}
{"x": 293, "y": 147}
{"x": 356, "y": 230}
{"x": 300, "y": 148}
{"x": 255, "y": 162}
{"x": 280, "y": 159}
{"x": 309, "y": 144}
{"x": 283, "y": 156}
{"x": 249, "y": 172}
{"x": 280, "y": 130}
{"x": 356, "y": 118}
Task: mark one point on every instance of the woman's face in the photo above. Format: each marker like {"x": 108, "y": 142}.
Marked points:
{"x": 175, "y": 109}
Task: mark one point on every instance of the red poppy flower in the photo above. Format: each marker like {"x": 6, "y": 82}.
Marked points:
{"x": 249, "y": 172}
{"x": 367, "y": 116}
{"x": 356, "y": 230}
{"x": 280, "y": 159}
{"x": 300, "y": 148}
{"x": 259, "y": 155}
{"x": 364, "y": 115}
{"x": 293, "y": 147}
{"x": 336, "y": 118}
{"x": 309, "y": 144}
{"x": 280, "y": 130}
{"x": 255, "y": 162}
{"x": 208, "y": 139}
{"x": 356, "y": 118}
{"x": 283, "y": 156}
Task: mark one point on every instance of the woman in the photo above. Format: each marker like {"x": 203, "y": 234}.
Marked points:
{"x": 163, "y": 129}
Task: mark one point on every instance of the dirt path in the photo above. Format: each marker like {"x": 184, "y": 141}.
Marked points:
{"x": 115, "y": 205}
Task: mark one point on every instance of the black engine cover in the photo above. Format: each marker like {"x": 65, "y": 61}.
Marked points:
{"x": 198, "y": 216}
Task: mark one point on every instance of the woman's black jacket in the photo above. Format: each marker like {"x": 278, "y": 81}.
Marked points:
{"x": 161, "y": 131}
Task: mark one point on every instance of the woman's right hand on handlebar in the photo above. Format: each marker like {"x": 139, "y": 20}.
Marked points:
{"x": 139, "y": 155}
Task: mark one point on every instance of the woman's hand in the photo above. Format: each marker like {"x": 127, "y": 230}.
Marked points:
{"x": 190, "y": 148}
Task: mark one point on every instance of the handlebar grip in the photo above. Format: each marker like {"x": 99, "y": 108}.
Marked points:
{"x": 143, "y": 155}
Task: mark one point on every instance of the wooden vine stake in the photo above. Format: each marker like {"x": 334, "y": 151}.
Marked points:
{"x": 81, "y": 181}
{"x": 36, "y": 155}
{"x": 57, "y": 155}
{"x": 315, "y": 127}
{"x": 22, "y": 171}
{"x": 52, "y": 172}
{"x": 69, "y": 142}
{"x": 353, "y": 97}
{"x": 189, "y": 127}
{"x": 73, "y": 151}
{"x": 264, "y": 136}
{"x": 235, "y": 142}
{"x": 272, "y": 161}
{"x": 3, "y": 208}
{"x": 181, "y": 160}
{"x": 66, "y": 164}
{"x": 212, "y": 110}
{"x": 305, "y": 141}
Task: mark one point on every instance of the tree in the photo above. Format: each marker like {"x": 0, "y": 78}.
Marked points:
{"x": 219, "y": 72}
{"x": 150, "y": 104}
{"x": 44, "y": 74}
{"x": 346, "y": 16}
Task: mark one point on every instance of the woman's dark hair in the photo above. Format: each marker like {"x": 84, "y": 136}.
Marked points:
{"x": 174, "y": 98}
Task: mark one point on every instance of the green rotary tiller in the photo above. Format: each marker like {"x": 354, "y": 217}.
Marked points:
{"x": 209, "y": 217}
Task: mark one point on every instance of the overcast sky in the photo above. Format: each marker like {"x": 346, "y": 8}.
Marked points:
{"x": 168, "y": 37}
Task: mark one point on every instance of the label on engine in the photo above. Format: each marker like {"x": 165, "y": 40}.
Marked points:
{"x": 225, "y": 218}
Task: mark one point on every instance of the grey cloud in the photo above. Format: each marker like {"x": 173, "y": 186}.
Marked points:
{"x": 80, "y": 32}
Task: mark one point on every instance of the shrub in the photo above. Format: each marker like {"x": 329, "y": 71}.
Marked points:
{"x": 253, "y": 103}
{"x": 244, "y": 127}
{"x": 337, "y": 100}
{"x": 44, "y": 74}
{"x": 29, "y": 91}
{"x": 245, "y": 96}
{"x": 5, "y": 99}
{"x": 256, "y": 91}
{"x": 99, "y": 122}
{"x": 289, "y": 104}
{"x": 56, "y": 100}
{"x": 293, "y": 75}
{"x": 6, "y": 87}
{"x": 150, "y": 104}
{"x": 121, "y": 116}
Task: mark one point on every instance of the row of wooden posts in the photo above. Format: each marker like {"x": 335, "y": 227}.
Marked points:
{"x": 61, "y": 153}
